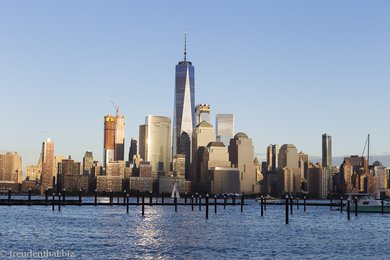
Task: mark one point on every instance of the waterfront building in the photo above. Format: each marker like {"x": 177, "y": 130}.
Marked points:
{"x": 70, "y": 177}
{"x": 184, "y": 107}
{"x": 326, "y": 151}
{"x": 166, "y": 183}
{"x": 241, "y": 155}
{"x": 225, "y": 128}
{"x": 10, "y": 170}
{"x": 203, "y": 134}
{"x": 33, "y": 173}
{"x": 47, "y": 174}
{"x": 155, "y": 143}
{"x": 87, "y": 163}
{"x": 178, "y": 165}
{"x": 214, "y": 155}
{"x": 224, "y": 180}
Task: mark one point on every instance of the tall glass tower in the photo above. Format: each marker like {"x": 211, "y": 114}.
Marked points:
{"x": 184, "y": 107}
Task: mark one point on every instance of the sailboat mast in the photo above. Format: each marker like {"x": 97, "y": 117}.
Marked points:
{"x": 368, "y": 151}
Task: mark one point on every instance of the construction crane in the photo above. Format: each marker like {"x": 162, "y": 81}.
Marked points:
{"x": 116, "y": 108}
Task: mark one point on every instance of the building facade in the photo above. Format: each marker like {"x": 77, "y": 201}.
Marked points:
{"x": 155, "y": 143}
{"x": 224, "y": 124}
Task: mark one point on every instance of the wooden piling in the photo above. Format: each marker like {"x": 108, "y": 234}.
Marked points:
{"x": 9, "y": 196}
{"x": 96, "y": 197}
{"x": 207, "y": 206}
{"x": 304, "y": 203}
{"x": 215, "y": 204}
{"x": 29, "y": 196}
{"x": 341, "y": 204}
{"x": 356, "y": 206}
{"x": 192, "y": 203}
{"x": 150, "y": 198}
{"x": 382, "y": 206}
{"x": 200, "y": 202}
{"x": 80, "y": 201}
{"x": 349, "y": 209}
{"x": 53, "y": 202}
{"x": 291, "y": 205}
{"x": 262, "y": 205}
{"x": 175, "y": 201}
{"x": 111, "y": 198}
{"x": 63, "y": 194}
{"x": 59, "y": 201}
{"x": 286, "y": 209}
{"x": 143, "y": 204}
{"x": 224, "y": 201}
{"x": 242, "y": 202}
{"x": 127, "y": 203}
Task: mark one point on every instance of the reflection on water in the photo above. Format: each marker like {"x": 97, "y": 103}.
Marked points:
{"x": 107, "y": 232}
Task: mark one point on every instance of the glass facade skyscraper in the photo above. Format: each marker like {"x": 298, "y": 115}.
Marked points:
{"x": 154, "y": 143}
{"x": 225, "y": 128}
{"x": 184, "y": 108}
{"x": 326, "y": 150}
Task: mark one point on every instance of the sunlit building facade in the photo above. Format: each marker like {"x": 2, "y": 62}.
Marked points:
{"x": 184, "y": 108}
{"x": 155, "y": 143}
{"x": 47, "y": 165}
{"x": 225, "y": 128}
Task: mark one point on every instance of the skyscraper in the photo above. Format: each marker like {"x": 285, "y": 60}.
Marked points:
{"x": 47, "y": 165}
{"x": 87, "y": 163}
{"x": 132, "y": 150}
{"x": 119, "y": 138}
{"x": 225, "y": 127}
{"x": 326, "y": 150}
{"x": 241, "y": 155}
{"x": 184, "y": 107}
{"x": 109, "y": 139}
{"x": 272, "y": 157}
{"x": 155, "y": 143}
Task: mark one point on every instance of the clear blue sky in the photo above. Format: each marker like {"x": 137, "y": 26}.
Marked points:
{"x": 289, "y": 70}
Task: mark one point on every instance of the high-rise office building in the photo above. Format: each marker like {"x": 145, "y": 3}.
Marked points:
{"x": 202, "y": 112}
{"x": 288, "y": 156}
{"x": 133, "y": 150}
{"x": 109, "y": 139}
{"x": 184, "y": 107}
{"x": 326, "y": 150}
{"x": 241, "y": 155}
{"x": 225, "y": 128}
{"x": 10, "y": 167}
{"x": 87, "y": 163}
{"x": 47, "y": 165}
{"x": 119, "y": 138}
{"x": 272, "y": 157}
{"x": 155, "y": 143}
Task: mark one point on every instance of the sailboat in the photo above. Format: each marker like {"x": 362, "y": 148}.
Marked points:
{"x": 366, "y": 202}
{"x": 175, "y": 191}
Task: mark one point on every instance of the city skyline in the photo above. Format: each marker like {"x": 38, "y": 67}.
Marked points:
{"x": 327, "y": 76}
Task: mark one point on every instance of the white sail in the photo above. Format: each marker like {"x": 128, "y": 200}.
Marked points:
{"x": 175, "y": 192}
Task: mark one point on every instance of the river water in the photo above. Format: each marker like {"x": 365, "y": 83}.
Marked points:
{"x": 107, "y": 232}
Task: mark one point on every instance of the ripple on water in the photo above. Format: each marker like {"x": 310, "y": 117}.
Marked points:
{"x": 109, "y": 233}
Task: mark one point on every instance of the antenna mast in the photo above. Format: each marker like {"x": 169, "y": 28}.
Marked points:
{"x": 185, "y": 46}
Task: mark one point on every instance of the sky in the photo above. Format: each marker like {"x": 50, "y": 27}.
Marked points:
{"x": 289, "y": 71}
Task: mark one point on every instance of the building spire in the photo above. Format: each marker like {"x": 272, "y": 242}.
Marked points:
{"x": 185, "y": 46}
